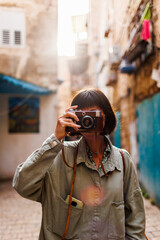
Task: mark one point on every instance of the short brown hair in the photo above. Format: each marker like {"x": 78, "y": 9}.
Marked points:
{"x": 95, "y": 98}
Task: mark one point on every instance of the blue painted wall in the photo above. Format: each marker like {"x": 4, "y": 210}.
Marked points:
{"x": 148, "y": 126}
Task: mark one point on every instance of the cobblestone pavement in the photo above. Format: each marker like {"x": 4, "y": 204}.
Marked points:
{"x": 20, "y": 218}
{"x": 152, "y": 221}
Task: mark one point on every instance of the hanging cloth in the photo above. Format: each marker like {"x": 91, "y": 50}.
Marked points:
{"x": 147, "y": 12}
{"x": 145, "y": 34}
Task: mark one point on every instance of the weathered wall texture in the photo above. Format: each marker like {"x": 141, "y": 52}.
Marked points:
{"x": 37, "y": 62}
{"x": 131, "y": 89}
{"x": 15, "y": 148}
{"x": 145, "y": 85}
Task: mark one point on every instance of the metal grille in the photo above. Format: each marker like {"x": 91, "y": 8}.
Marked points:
{"x": 17, "y": 37}
{"x": 5, "y": 36}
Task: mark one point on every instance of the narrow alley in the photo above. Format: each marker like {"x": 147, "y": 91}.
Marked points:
{"x": 20, "y": 218}
{"x": 51, "y": 50}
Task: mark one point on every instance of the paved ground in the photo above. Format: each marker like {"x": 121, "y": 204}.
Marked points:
{"x": 152, "y": 221}
{"x": 20, "y": 218}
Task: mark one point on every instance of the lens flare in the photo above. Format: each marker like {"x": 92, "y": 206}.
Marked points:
{"x": 92, "y": 195}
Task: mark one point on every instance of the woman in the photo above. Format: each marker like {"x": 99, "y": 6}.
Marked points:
{"x": 88, "y": 188}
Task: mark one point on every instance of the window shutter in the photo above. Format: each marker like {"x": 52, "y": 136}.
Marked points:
{"x": 12, "y": 29}
{"x": 6, "y": 37}
{"x": 17, "y": 37}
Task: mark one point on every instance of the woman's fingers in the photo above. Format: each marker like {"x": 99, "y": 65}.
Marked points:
{"x": 70, "y": 115}
{"x": 68, "y": 123}
{"x": 63, "y": 122}
{"x": 68, "y": 119}
{"x": 72, "y": 107}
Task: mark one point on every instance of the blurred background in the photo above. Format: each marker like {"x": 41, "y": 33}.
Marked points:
{"x": 51, "y": 49}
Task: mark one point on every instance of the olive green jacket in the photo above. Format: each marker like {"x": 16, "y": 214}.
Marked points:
{"x": 114, "y": 211}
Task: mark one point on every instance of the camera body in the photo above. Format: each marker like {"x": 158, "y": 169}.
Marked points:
{"x": 90, "y": 121}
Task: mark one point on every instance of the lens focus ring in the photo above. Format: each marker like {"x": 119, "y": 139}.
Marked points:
{"x": 87, "y": 122}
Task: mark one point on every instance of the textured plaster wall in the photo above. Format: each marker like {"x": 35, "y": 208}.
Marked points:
{"x": 132, "y": 89}
{"x": 37, "y": 62}
{"x": 15, "y": 148}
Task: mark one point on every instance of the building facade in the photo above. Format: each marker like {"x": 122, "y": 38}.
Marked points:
{"x": 128, "y": 64}
{"x": 28, "y": 79}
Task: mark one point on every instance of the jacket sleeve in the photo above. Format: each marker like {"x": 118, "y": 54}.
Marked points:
{"x": 29, "y": 176}
{"x": 134, "y": 206}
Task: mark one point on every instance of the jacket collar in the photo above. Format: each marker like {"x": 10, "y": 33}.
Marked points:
{"x": 113, "y": 159}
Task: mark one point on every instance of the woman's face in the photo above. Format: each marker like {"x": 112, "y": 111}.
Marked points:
{"x": 87, "y": 134}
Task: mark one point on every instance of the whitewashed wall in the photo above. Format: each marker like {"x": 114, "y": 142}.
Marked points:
{"x": 15, "y": 148}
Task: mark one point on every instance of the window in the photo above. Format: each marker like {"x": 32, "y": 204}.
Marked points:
{"x": 23, "y": 115}
{"x": 12, "y": 29}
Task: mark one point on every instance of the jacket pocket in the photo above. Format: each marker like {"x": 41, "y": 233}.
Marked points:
{"x": 60, "y": 214}
{"x": 116, "y": 228}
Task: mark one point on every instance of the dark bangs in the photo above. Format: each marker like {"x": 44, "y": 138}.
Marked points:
{"x": 95, "y": 98}
{"x": 86, "y": 99}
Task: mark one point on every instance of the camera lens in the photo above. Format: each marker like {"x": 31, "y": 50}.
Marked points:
{"x": 87, "y": 121}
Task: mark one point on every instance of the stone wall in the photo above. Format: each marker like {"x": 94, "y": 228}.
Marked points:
{"x": 128, "y": 92}
{"x": 131, "y": 89}
{"x": 145, "y": 85}
{"x": 37, "y": 61}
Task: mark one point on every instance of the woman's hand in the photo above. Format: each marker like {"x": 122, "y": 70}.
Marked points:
{"x": 66, "y": 120}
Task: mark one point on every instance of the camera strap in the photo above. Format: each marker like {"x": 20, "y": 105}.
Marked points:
{"x": 124, "y": 168}
{"x": 64, "y": 159}
{"x": 73, "y": 180}
{"x": 100, "y": 159}
{"x": 71, "y": 191}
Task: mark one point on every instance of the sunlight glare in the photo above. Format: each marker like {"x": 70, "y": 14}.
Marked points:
{"x": 66, "y": 37}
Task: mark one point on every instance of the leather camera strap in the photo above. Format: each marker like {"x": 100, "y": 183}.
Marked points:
{"x": 100, "y": 158}
{"x": 64, "y": 159}
{"x": 124, "y": 168}
{"x": 71, "y": 191}
{"x": 73, "y": 179}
